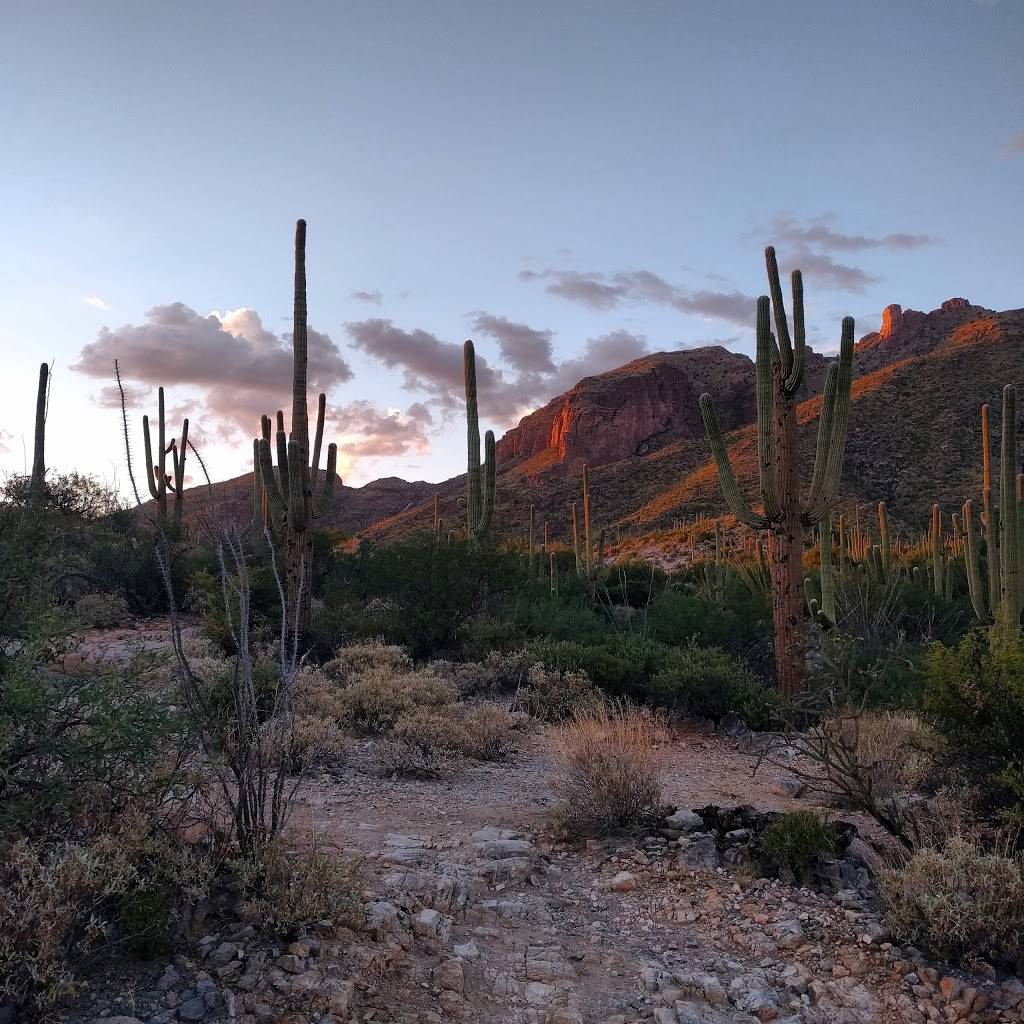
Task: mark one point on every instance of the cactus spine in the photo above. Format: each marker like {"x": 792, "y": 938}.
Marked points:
{"x": 479, "y": 494}
{"x": 780, "y": 372}
{"x": 294, "y": 495}
{"x": 1003, "y": 528}
{"x": 160, "y": 481}
{"x": 37, "y": 482}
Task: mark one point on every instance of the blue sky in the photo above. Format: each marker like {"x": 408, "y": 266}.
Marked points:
{"x": 569, "y": 183}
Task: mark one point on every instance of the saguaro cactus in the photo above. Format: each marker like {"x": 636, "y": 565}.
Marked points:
{"x": 1003, "y": 530}
{"x": 479, "y": 499}
{"x": 160, "y": 481}
{"x": 37, "y": 482}
{"x": 295, "y": 495}
{"x": 589, "y": 559}
{"x": 780, "y": 373}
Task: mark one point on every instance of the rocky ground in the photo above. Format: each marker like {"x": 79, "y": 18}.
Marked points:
{"x": 476, "y": 913}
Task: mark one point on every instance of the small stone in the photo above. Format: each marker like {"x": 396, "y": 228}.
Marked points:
{"x": 193, "y": 1009}
{"x": 450, "y": 976}
{"x": 624, "y": 881}
{"x": 950, "y": 988}
{"x": 685, "y": 821}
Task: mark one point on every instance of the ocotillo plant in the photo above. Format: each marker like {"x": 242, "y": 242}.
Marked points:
{"x": 589, "y": 560}
{"x": 37, "y": 482}
{"x": 1003, "y": 531}
{"x": 295, "y": 495}
{"x": 780, "y": 373}
{"x": 479, "y": 499}
{"x": 160, "y": 481}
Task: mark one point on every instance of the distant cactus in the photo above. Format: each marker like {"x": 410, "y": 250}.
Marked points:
{"x": 479, "y": 501}
{"x": 37, "y": 482}
{"x": 159, "y": 480}
{"x": 780, "y": 373}
{"x": 716, "y": 572}
{"x": 589, "y": 559}
{"x": 294, "y": 496}
{"x": 1003, "y": 530}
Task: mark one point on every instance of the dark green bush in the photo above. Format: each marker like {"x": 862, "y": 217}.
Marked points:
{"x": 974, "y": 697}
{"x": 796, "y": 841}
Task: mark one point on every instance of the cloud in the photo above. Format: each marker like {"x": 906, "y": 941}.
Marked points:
{"x": 362, "y": 430}
{"x": 434, "y": 366}
{"x": 135, "y": 396}
{"x": 1015, "y": 145}
{"x": 820, "y": 233}
{"x": 6, "y": 439}
{"x": 374, "y": 297}
{"x": 609, "y": 291}
{"x": 821, "y": 268}
{"x": 239, "y": 367}
{"x": 522, "y": 347}
{"x": 97, "y": 302}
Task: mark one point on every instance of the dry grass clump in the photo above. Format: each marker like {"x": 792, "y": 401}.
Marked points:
{"x": 610, "y": 766}
{"x": 956, "y": 900}
{"x": 291, "y": 888}
{"x": 895, "y": 748}
{"x": 429, "y": 742}
{"x": 377, "y": 698}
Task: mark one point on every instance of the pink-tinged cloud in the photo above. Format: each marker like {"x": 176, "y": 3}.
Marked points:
{"x": 373, "y": 297}
{"x": 522, "y": 347}
{"x": 820, "y": 233}
{"x": 240, "y": 368}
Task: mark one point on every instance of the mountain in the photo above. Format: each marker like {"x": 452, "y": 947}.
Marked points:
{"x": 914, "y": 434}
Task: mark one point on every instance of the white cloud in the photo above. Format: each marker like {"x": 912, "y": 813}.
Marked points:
{"x": 96, "y": 302}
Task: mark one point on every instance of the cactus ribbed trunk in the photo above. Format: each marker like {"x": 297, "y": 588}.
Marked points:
{"x": 780, "y": 369}
{"x": 292, "y": 498}
{"x": 37, "y": 483}
{"x": 787, "y": 545}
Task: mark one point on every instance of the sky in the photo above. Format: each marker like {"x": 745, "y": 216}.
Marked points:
{"x": 570, "y": 184}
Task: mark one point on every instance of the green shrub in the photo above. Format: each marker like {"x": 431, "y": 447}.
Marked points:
{"x": 709, "y": 683}
{"x": 552, "y": 695}
{"x": 956, "y": 900}
{"x": 974, "y": 697}
{"x": 796, "y": 841}
{"x": 376, "y": 700}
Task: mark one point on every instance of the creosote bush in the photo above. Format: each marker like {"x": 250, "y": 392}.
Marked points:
{"x": 956, "y": 900}
{"x": 609, "y": 770}
{"x": 376, "y": 699}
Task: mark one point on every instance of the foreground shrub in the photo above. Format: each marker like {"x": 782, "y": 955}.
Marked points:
{"x": 974, "y": 696}
{"x": 956, "y": 900}
{"x": 796, "y": 841}
{"x": 357, "y": 658}
{"x": 377, "y": 699}
{"x": 609, "y": 770}
{"x": 289, "y": 888}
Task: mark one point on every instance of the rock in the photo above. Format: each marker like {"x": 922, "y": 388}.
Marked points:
{"x": 497, "y": 848}
{"x": 381, "y": 916}
{"x": 466, "y": 950}
{"x": 115, "y": 1020}
{"x": 685, "y": 821}
{"x": 564, "y": 1016}
{"x": 432, "y": 924}
{"x": 698, "y": 851}
{"x": 222, "y": 955}
{"x": 450, "y": 976}
{"x": 291, "y": 963}
{"x": 193, "y": 1009}
{"x": 892, "y": 320}
{"x": 624, "y": 881}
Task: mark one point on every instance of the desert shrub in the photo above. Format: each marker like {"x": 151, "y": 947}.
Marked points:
{"x": 374, "y": 654}
{"x": 289, "y": 888}
{"x": 414, "y": 760}
{"x": 101, "y": 610}
{"x": 375, "y": 700}
{"x": 897, "y": 749}
{"x": 974, "y": 697}
{"x": 679, "y": 616}
{"x": 797, "y": 840}
{"x": 426, "y": 596}
{"x": 609, "y": 770}
{"x": 76, "y": 747}
{"x": 956, "y": 900}
{"x": 552, "y": 695}
{"x": 317, "y": 708}
{"x": 488, "y": 731}
{"x": 710, "y": 683}
{"x": 499, "y": 672}
{"x": 568, "y": 618}
{"x": 482, "y": 732}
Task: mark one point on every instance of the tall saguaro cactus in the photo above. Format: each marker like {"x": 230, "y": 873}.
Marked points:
{"x": 785, "y": 515}
{"x": 294, "y": 496}
{"x": 479, "y": 499}
{"x": 589, "y": 558}
{"x": 37, "y": 482}
{"x": 160, "y": 481}
{"x": 1003, "y": 599}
